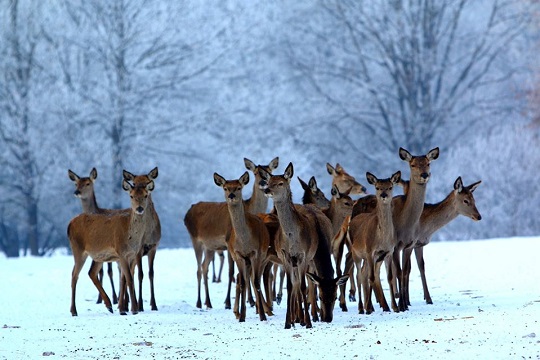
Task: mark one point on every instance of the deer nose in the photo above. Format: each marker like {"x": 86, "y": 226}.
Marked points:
{"x": 384, "y": 195}
{"x": 364, "y": 190}
{"x": 139, "y": 210}
{"x": 77, "y": 193}
{"x": 479, "y": 217}
{"x": 232, "y": 196}
{"x": 424, "y": 175}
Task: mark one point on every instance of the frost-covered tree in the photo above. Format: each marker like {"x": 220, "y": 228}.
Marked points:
{"x": 410, "y": 73}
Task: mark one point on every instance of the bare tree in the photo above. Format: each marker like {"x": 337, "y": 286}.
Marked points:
{"x": 409, "y": 73}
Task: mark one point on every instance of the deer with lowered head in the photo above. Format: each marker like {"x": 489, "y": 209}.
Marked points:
{"x": 104, "y": 237}
{"x": 248, "y": 244}
{"x": 344, "y": 181}
{"x": 302, "y": 242}
{"x": 84, "y": 190}
{"x": 209, "y": 225}
{"x": 373, "y": 240}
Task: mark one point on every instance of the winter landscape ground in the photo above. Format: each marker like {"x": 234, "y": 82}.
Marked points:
{"x": 486, "y": 297}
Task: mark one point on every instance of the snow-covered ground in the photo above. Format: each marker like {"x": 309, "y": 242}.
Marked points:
{"x": 486, "y": 305}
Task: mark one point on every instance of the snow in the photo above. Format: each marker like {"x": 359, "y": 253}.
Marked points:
{"x": 486, "y": 305}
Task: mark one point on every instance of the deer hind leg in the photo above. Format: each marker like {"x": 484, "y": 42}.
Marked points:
{"x": 100, "y": 279}
{"x": 304, "y": 298}
{"x": 261, "y": 304}
{"x": 267, "y": 282}
{"x": 110, "y": 274}
{"x": 391, "y": 278}
{"x": 349, "y": 265}
{"x": 359, "y": 281}
{"x": 379, "y": 293}
{"x": 93, "y": 273}
{"x": 77, "y": 267}
{"x": 419, "y": 254}
{"x": 209, "y": 254}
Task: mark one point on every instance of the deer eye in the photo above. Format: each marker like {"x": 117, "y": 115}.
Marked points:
{"x": 467, "y": 202}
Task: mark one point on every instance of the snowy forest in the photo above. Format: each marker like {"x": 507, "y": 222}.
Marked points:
{"x": 194, "y": 87}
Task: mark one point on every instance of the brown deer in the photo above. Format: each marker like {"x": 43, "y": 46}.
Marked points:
{"x": 406, "y": 213}
{"x": 105, "y": 237}
{"x": 152, "y": 234}
{"x": 373, "y": 240}
{"x": 209, "y": 225}
{"x": 344, "y": 181}
{"x": 460, "y": 201}
{"x": 84, "y": 190}
{"x": 313, "y": 195}
{"x": 301, "y": 236}
{"x": 248, "y": 244}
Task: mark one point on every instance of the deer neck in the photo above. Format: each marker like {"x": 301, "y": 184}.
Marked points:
{"x": 289, "y": 220}
{"x": 257, "y": 203}
{"x": 414, "y": 204}
{"x": 385, "y": 222}
{"x": 436, "y": 216}
{"x": 238, "y": 220}
{"x": 89, "y": 205}
{"x": 336, "y": 217}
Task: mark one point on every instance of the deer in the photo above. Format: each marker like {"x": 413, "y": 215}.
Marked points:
{"x": 344, "y": 181}
{"x": 301, "y": 242}
{"x": 248, "y": 244}
{"x": 373, "y": 240}
{"x": 406, "y": 213}
{"x": 313, "y": 195}
{"x": 110, "y": 237}
{"x": 152, "y": 234}
{"x": 84, "y": 190}
{"x": 209, "y": 226}
{"x": 460, "y": 201}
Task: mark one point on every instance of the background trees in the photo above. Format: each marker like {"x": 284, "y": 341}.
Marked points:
{"x": 194, "y": 86}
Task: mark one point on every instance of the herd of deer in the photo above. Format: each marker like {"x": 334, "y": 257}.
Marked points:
{"x": 304, "y": 242}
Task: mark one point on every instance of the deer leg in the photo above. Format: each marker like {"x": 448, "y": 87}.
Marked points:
{"x": 141, "y": 277}
{"x": 231, "y": 280}
{"x": 221, "y": 262}
{"x": 100, "y": 279}
{"x": 406, "y": 268}
{"x": 419, "y": 254}
{"x": 289, "y": 315}
{"x": 151, "y": 258}
{"x": 312, "y": 299}
{"x": 397, "y": 267}
{"x": 198, "y": 256}
{"x": 267, "y": 282}
{"x": 110, "y": 274}
{"x": 209, "y": 254}
{"x": 359, "y": 281}
{"x": 379, "y": 293}
{"x": 77, "y": 267}
{"x": 349, "y": 265}
{"x": 304, "y": 298}
{"x": 93, "y": 273}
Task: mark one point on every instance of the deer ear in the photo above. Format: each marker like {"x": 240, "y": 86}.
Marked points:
{"x": 126, "y": 185}
{"x": 244, "y": 179}
{"x": 342, "y": 280}
{"x": 312, "y": 184}
{"x": 458, "y": 185}
{"x": 127, "y": 175}
{"x": 153, "y": 174}
{"x": 335, "y": 191}
{"x": 150, "y": 186}
{"x": 219, "y": 180}
{"x": 250, "y": 165}
{"x": 72, "y": 176}
{"x": 330, "y": 169}
{"x": 93, "y": 174}
{"x": 265, "y": 175}
{"x": 396, "y": 177}
{"x": 289, "y": 171}
{"x": 433, "y": 154}
{"x": 473, "y": 187}
{"x": 303, "y": 184}
{"x": 372, "y": 179}
{"x": 404, "y": 154}
{"x": 274, "y": 163}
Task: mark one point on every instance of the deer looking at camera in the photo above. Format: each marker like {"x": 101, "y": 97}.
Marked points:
{"x": 248, "y": 244}
{"x": 152, "y": 234}
{"x": 117, "y": 237}
{"x": 84, "y": 190}
{"x": 208, "y": 225}
{"x": 373, "y": 240}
